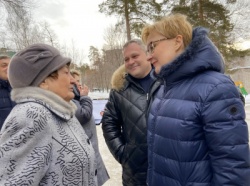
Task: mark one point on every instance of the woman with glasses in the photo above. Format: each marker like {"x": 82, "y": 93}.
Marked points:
{"x": 197, "y": 134}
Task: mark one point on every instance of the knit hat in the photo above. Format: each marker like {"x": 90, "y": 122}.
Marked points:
{"x": 32, "y": 65}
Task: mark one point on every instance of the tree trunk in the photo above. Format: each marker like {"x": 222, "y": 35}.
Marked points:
{"x": 201, "y": 11}
{"x": 182, "y": 2}
{"x": 127, "y": 20}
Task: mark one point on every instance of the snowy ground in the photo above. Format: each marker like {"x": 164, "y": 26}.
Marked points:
{"x": 247, "y": 109}
{"x": 114, "y": 168}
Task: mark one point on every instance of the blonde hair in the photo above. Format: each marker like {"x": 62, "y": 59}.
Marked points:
{"x": 75, "y": 73}
{"x": 170, "y": 26}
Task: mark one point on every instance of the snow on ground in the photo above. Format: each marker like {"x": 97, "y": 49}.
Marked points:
{"x": 113, "y": 167}
{"x": 247, "y": 98}
{"x": 99, "y": 95}
{"x": 247, "y": 109}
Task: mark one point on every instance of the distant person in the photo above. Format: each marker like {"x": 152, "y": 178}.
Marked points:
{"x": 42, "y": 142}
{"x": 81, "y": 99}
{"x": 197, "y": 134}
{"x": 124, "y": 121}
{"x": 84, "y": 116}
{"x": 6, "y": 104}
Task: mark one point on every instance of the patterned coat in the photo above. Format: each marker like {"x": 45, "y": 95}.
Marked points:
{"x": 42, "y": 143}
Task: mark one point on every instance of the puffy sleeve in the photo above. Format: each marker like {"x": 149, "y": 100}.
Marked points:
{"x": 25, "y": 146}
{"x": 227, "y": 137}
{"x": 111, "y": 126}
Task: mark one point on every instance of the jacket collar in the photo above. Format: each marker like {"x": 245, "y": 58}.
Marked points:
{"x": 121, "y": 79}
{"x": 53, "y": 102}
{"x": 200, "y": 55}
{"x": 4, "y": 83}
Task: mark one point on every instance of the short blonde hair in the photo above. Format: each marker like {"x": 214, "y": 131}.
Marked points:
{"x": 170, "y": 26}
{"x": 75, "y": 73}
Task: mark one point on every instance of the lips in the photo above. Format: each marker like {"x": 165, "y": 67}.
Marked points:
{"x": 153, "y": 62}
{"x": 134, "y": 67}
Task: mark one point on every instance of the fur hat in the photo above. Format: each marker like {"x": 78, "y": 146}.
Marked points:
{"x": 32, "y": 65}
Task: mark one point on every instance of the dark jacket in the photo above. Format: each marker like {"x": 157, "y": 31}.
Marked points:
{"x": 84, "y": 116}
{"x": 6, "y": 104}
{"x": 197, "y": 134}
{"x": 124, "y": 127}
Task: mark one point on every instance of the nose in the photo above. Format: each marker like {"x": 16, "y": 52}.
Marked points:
{"x": 72, "y": 79}
{"x": 131, "y": 62}
{"x": 149, "y": 57}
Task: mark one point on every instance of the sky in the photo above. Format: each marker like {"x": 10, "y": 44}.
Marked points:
{"x": 77, "y": 21}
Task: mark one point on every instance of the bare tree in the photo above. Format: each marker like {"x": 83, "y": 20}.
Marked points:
{"x": 16, "y": 7}
{"x": 19, "y": 28}
{"x": 48, "y": 34}
{"x": 239, "y": 11}
{"x": 111, "y": 57}
{"x": 77, "y": 55}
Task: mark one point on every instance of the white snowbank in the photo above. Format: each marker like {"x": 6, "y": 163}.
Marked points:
{"x": 99, "y": 95}
{"x": 99, "y": 101}
{"x": 247, "y": 98}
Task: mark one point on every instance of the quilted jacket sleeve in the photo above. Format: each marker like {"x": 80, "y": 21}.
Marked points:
{"x": 25, "y": 147}
{"x": 111, "y": 126}
{"x": 227, "y": 136}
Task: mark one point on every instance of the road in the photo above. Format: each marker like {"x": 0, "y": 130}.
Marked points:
{"x": 114, "y": 168}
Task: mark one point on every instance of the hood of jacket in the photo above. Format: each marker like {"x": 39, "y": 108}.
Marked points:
{"x": 200, "y": 55}
{"x": 119, "y": 78}
{"x": 50, "y": 100}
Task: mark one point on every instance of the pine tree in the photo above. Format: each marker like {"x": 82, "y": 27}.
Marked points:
{"x": 134, "y": 13}
{"x": 213, "y": 16}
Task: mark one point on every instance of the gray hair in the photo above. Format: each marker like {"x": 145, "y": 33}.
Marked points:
{"x": 136, "y": 41}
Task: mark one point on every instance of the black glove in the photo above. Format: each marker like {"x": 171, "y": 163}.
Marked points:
{"x": 76, "y": 92}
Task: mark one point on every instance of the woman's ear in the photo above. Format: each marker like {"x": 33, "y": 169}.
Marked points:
{"x": 179, "y": 45}
{"x": 44, "y": 85}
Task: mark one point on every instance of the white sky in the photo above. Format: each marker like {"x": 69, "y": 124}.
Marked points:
{"x": 244, "y": 45}
{"x": 75, "y": 20}
{"x": 79, "y": 21}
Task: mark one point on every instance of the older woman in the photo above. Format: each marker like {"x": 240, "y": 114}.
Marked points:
{"x": 197, "y": 134}
{"x": 41, "y": 142}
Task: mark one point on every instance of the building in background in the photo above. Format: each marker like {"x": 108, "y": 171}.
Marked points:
{"x": 240, "y": 73}
{"x": 6, "y": 51}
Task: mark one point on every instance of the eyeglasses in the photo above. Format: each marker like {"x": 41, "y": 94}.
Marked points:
{"x": 151, "y": 46}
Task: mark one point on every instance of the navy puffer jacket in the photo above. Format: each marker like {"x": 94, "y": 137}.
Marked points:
{"x": 197, "y": 134}
{"x": 6, "y": 104}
